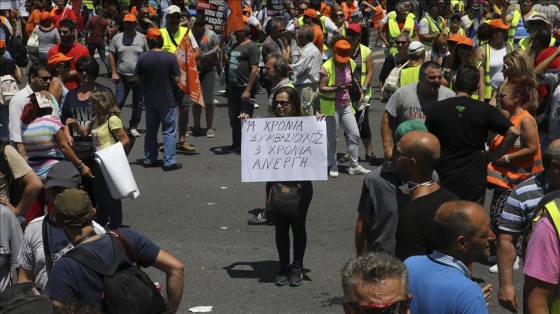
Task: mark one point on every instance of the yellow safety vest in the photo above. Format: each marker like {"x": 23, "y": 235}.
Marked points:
{"x": 327, "y": 99}
{"x": 434, "y": 28}
{"x": 513, "y": 25}
{"x": 88, "y": 4}
{"x": 394, "y": 31}
{"x": 364, "y": 52}
{"x": 168, "y": 45}
{"x": 409, "y": 75}
{"x": 525, "y": 42}
{"x": 487, "y": 78}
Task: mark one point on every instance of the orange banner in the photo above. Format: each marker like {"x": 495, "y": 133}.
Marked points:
{"x": 189, "y": 82}
{"x": 235, "y": 18}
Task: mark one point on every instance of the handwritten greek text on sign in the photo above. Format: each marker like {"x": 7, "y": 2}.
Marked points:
{"x": 283, "y": 149}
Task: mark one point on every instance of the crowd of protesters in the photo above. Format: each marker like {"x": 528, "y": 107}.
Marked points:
{"x": 471, "y": 93}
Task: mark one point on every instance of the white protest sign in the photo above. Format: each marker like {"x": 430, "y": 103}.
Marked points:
{"x": 283, "y": 149}
{"x": 9, "y": 4}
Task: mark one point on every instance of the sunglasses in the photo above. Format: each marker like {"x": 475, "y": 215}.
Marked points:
{"x": 282, "y": 103}
{"x": 80, "y": 71}
{"x": 339, "y": 16}
{"x": 507, "y": 67}
{"x": 398, "y": 43}
{"x": 504, "y": 95}
{"x": 302, "y": 10}
{"x": 396, "y": 307}
{"x": 64, "y": 32}
{"x": 44, "y": 78}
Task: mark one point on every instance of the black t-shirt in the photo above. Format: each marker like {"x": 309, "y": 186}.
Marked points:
{"x": 461, "y": 124}
{"x": 78, "y": 109}
{"x": 415, "y": 231}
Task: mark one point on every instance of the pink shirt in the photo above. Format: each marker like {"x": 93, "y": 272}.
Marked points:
{"x": 341, "y": 98}
{"x": 542, "y": 260}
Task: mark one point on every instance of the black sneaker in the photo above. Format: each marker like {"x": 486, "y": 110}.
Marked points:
{"x": 344, "y": 158}
{"x": 296, "y": 277}
{"x": 234, "y": 149}
{"x": 371, "y": 158}
{"x": 172, "y": 167}
{"x": 282, "y": 278}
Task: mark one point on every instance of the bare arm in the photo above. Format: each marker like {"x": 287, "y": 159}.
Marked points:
{"x": 121, "y": 135}
{"x": 17, "y": 75}
{"x": 541, "y": 68}
{"x": 369, "y": 70}
{"x": 538, "y": 295}
{"x": 361, "y": 238}
{"x": 175, "y": 272}
{"x": 25, "y": 275}
{"x": 383, "y": 37}
{"x": 481, "y": 89}
{"x": 529, "y": 140}
{"x": 387, "y": 129}
{"x": 506, "y": 257}
{"x": 509, "y": 139}
{"x": 60, "y": 140}
{"x": 113, "y": 63}
{"x": 33, "y": 186}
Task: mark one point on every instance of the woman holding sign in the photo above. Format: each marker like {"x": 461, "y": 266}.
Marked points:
{"x": 334, "y": 85}
{"x": 287, "y": 103}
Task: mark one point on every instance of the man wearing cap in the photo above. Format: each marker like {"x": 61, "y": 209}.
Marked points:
{"x": 383, "y": 198}
{"x": 172, "y": 36}
{"x": 310, "y": 17}
{"x": 242, "y": 67}
{"x": 35, "y": 266}
{"x": 416, "y": 55}
{"x": 547, "y": 9}
{"x": 461, "y": 124}
{"x": 157, "y": 71}
{"x": 536, "y": 22}
{"x": 38, "y": 79}
{"x": 431, "y": 25}
{"x": 70, "y": 279}
{"x": 413, "y": 102}
{"x": 68, "y": 46}
{"x": 124, "y": 50}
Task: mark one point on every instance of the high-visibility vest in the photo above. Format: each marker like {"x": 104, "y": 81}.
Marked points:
{"x": 178, "y": 36}
{"x": 513, "y": 25}
{"x": 394, "y": 31}
{"x": 525, "y": 42}
{"x": 327, "y": 99}
{"x": 364, "y": 52}
{"x": 434, "y": 28}
{"x": 88, "y": 4}
{"x": 461, "y": 32}
{"x": 487, "y": 78}
{"x": 409, "y": 75}
{"x": 510, "y": 174}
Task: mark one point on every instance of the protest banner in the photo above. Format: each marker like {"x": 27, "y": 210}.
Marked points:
{"x": 283, "y": 149}
{"x": 275, "y": 8}
{"x": 213, "y": 11}
{"x": 9, "y": 4}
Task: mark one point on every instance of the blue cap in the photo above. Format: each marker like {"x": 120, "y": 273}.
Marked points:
{"x": 192, "y": 12}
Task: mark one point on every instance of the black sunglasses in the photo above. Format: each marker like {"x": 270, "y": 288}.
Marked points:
{"x": 396, "y": 307}
{"x": 44, "y": 78}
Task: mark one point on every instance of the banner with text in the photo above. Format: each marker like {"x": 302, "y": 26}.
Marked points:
{"x": 283, "y": 149}
{"x": 213, "y": 11}
{"x": 8, "y": 5}
{"x": 275, "y": 8}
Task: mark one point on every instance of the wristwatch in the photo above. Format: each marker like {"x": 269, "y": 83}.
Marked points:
{"x": 364, "y": 88}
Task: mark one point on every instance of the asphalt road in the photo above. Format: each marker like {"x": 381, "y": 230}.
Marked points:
{"x": 199, "y": 213}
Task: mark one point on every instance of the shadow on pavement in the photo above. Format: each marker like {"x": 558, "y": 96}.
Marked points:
{"x": 264, "y": 271}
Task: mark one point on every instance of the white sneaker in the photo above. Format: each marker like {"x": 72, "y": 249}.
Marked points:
{"x": 494, "y": 269}
{"x": 333, "y": 173}
{"x": 134, "y": 133}
{"x": 357, "y": 170}
{"x": 254, "y": 102}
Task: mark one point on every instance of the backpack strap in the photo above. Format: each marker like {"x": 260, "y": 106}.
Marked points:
{"x": 89, "y": 260}
{"x": 119, "y": 237}
{"x": 46, "y": 246}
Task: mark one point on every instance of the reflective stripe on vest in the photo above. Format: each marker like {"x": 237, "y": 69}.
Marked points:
{"x": 510, "y": 174}
{"x": 434, "y": 28}
{"x": 167, "y": 43}
{"x": 364, "y": 52}
{"x": 513, "y": 25}
{"x": 487, "y": 78}
{"x": 394, "y": 31}
{"x": 327, "y": 100}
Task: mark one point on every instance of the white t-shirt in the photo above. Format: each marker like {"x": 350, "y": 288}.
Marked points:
{"x": 496, "y": 65}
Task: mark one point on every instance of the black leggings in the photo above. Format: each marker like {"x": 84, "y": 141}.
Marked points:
{"x": 283, "y": 223}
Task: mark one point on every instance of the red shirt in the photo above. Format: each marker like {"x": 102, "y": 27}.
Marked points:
{"x": 555, "y": 64}
{"x": 60, "y": 14}
{"x": 76, "y": 52}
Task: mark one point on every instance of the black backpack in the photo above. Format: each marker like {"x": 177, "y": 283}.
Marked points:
{"x": 24, "y": 298}
{"x": 126, "y": 288}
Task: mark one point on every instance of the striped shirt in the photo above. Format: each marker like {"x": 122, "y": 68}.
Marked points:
{"x": 40, "y": 145}
{"x": 450, "y": 261}
{"x": 522, "y": 202}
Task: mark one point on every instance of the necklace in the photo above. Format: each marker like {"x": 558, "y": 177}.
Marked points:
{"x": 417, "y": 185}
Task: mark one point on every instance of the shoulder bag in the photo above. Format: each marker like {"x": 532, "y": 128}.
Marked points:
{"x": 284, "y": 198}
{"x": 33, "y": 41}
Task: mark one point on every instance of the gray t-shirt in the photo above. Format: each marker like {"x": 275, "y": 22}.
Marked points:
{"x": 242, "y": 57}
{"x": 406, "y": 104}
{"x": 32, "y": 255}
{"x": 11, "y": 237}
{"x": 127, "y": 50}
{"x": 206, "y": 44}
{"x": 47, "y": 39}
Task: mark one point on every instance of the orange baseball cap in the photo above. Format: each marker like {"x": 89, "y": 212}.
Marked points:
{"x": 153, "y": 33}
{"x": 46, "y": 16}
{"x": 310, "y": 12}
{"x": 455, "y": 38}
{"x": 342, "y": 51}
{"x": 2, "y": 44}
{"x": 498, "y": 23}
{"x": 57, "y": 58}
{"x": 130, "y": 18}
{"x": 466, "y": 41}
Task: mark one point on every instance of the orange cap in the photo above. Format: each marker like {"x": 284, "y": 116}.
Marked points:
{"x": 57, "y": 58}
{"x": 498, "y": 23}
{"x": 46, "y": 16}
{"x": 153, "y": 33}
{"x": 2, "y": 44}
{"x": 130, "y": 18}
{"x": 455, "y": 38}
{"x": 342, "y": 51}
{"x": 466, "y": 41}
{"x": 310, "y": 12}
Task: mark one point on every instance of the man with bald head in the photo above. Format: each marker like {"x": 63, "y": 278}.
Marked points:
{"x": 441, "y": 282}
{"x": 415, "y": 157}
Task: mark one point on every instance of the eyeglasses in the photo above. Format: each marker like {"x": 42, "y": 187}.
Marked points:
{"x": 300, "y": 10}
{"x": 282, "y": 103}
{"x": 80, "y": 71}
{"x": 61, "y": 32}
{"x": 397, "y": 153}
{"x": 395, "y": 307}
{"x": 282, "y": 31}
{"x": 44, "y": 78}
{"x": 507, "y": 67}
{"x": 398, "y": 43}
{"x": 339, "y": 16}
{"x": 504, "y": 95}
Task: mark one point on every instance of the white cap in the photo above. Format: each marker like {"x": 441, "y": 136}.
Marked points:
{"x": 172, "y": 9}
{"x": 415, "y": 47}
